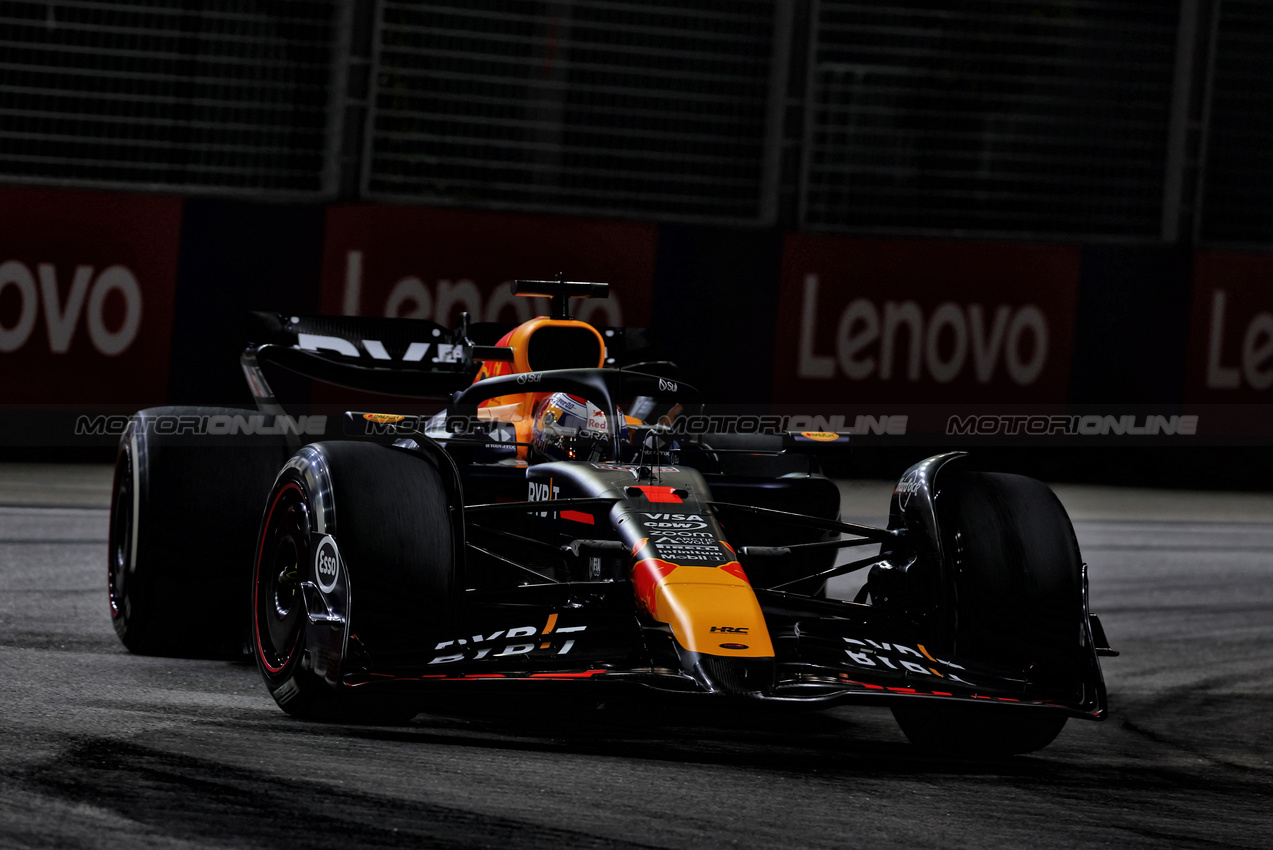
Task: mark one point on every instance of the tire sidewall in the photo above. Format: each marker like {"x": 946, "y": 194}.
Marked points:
{"x": 288, "y": 679}
{"x": 192, "y": 510}
{"x": 1012, "y": 574}
{"x": 125, "y": 587}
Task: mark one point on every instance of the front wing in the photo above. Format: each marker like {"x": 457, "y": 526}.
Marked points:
{"x": 826, "y": 652}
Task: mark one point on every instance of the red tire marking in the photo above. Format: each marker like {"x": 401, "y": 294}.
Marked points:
{"x": 256, "y": 588}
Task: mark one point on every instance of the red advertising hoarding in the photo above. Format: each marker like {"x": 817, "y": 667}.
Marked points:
{"x": 914, "y": 322}
{"x": 1230, "y": 353}
{"x": 1229, "y": 359}
{"x": 422, "y": 262}
{"x": 86, "y": 296}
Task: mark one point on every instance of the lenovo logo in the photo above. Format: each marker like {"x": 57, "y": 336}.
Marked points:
{"x": 1253, "y": 364}
{"x": 109, "y": 301}
{"x": 898, "y": 340}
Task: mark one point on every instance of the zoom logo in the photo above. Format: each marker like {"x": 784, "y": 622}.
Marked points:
{"x": 327, "y": 564}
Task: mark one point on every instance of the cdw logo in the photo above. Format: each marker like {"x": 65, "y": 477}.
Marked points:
{"x": 89, "y": 295}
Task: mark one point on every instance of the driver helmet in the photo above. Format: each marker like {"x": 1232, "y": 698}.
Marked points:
{"x": 567, "y": 427}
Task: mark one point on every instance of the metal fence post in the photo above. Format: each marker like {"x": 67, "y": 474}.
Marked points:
{"x": 1186, "y": 131}
{"x": 337, "y": 105}
{"x": 368, "y": 124}
{"x": 810, "y": 107}
{"x": 1205, "y": 86}
{"x": 771, "y": 178}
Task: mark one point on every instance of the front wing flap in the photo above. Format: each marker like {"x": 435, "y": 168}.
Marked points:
{"x": 864, "y": 658}
{"x": 568, "y": 630}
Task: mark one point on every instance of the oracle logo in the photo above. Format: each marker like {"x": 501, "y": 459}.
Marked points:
{"x": 897, "y": 339}
{"x": 908, "y": 486}
{"x": 87, "y": 296}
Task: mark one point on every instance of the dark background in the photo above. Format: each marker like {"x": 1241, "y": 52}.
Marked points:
{"x": 1133, "y": 133}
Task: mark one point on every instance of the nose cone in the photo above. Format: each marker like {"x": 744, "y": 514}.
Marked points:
{"x": 715, "y": 619}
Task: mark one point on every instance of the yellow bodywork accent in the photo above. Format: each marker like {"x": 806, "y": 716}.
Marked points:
{"x": 696, "y": 600}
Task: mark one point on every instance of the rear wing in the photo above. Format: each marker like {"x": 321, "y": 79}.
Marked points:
{"x": 414, "y": 358}
{"x": 411, "y": 358}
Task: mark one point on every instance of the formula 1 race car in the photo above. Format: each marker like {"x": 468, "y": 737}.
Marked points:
{"x": 553, "y": 529}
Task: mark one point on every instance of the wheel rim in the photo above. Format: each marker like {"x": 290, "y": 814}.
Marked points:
{"x": 278, "y": 608}
{"x": 121, "y": 535}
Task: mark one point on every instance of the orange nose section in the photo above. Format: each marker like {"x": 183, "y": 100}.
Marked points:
{"x": 711, "y": 610}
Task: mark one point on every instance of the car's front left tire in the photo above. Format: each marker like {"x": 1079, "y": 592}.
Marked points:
{"x": 389, "y": 513}
{"x": 1012, "y": 594}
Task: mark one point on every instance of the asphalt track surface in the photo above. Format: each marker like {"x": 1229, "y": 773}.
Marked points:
{"x": 106, "y": 749}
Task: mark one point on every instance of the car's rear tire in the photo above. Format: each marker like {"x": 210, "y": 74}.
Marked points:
{"x": 390, "y": 516}
{"x": 185, "y": 508}
{"x": 1012, "y": 593}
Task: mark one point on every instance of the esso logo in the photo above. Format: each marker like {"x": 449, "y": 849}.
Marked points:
{"x": 327, "y": 564}
{"x": 111, "y": 330}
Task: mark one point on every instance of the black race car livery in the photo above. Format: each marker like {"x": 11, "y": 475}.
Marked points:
{"x": 545, "y": 526}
